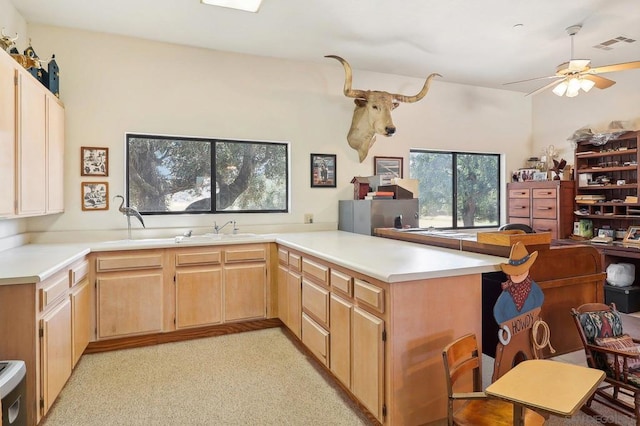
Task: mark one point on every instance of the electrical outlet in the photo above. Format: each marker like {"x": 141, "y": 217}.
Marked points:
{"x": 308, "y": 218}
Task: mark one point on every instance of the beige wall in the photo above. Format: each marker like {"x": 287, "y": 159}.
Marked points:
{"x": 111, "y": 85}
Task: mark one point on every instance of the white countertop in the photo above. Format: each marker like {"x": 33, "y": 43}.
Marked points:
{"x": 384, "y": 259}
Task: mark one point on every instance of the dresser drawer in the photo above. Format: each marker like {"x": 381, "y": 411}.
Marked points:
{"x": 369, "y": 294}
{"x": 315, "y": 270}
{"x": 520, "y": 193}
{"x": 315, "y": 302}
{"x": 315, "y": 338}
{"x": 544, "y": 208}
{"x": 245, "y": 254}
{"x": 52, "y": 289}
{"x": 519, "y": 207}
{"x": 295, "y": 262}
{"x": 200, "y": 258}
{"x": 342, "y": 283}
{"x": 120, "y": 263}
{"x": 546, "y": 225}
{"x": 545, "y": 193}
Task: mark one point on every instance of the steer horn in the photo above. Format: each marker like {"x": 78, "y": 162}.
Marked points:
{"x": 348, "y": 75}
{"x": 349, "y": 92}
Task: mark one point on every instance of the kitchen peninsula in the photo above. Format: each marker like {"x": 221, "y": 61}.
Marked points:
{"x": 348, "y": 290}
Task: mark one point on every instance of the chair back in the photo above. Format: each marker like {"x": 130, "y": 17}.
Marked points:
{"x": 461, "y": 358}
{"x": 596, "y": 320}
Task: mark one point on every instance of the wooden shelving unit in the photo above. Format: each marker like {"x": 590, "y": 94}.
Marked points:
{"x": 609, "y": 171}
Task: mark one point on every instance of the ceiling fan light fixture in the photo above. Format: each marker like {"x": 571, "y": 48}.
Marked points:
{"x": 560, "y": 88}
{"x": 586, "y": 84}
{"x": 573, "y": 87}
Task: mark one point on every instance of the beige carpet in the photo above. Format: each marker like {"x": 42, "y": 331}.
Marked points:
{"x": 252, "y": 378}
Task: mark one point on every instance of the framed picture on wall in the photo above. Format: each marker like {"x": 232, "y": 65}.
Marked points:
{"x": 94, "y": 161}
{"x": 388, "y": 166}
{"x": 95, "y": 196}
{"x": 323, "y": 170}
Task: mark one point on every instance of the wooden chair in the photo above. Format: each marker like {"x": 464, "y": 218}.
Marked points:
{"x": 461, "y": 362}
{"x": 608, "y": 348}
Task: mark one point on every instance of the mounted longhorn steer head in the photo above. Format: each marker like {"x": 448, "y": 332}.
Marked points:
{"x": 372, "y": 114}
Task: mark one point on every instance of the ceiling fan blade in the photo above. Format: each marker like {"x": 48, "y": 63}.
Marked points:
{"x": 601, "y": 82}
{"x": 533, "y": 79}
{"x": 578, "y": 64}
{"x": 543, "y": 88}
{"x": 615, "y": 67}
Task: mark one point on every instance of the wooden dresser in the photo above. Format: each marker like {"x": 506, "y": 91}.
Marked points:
{"x": 546, "y": 206}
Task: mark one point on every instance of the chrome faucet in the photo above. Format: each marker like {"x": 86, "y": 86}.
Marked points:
{"x": 217, "y": 228}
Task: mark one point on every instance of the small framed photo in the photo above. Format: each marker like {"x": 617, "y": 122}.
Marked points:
{"x": 323, "y": 170}
{"x": 539, "y": 176}
{"x": 633, "y": 235}
{"x": 95, "y": 196}
{"x": 94, "y": 161}
{"x": 388, "y": 166}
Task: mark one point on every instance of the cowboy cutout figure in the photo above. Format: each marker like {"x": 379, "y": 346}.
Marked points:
{"x": 516, "y": 310}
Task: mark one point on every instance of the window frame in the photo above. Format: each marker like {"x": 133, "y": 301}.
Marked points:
{"x": 454, "y": 179}
{"x": 212, "y": 141}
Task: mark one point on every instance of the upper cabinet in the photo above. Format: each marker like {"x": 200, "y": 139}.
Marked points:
{"x": 7, "y": 134}
{"x": 607, "y": 187}
{"x": 32, "y": 144}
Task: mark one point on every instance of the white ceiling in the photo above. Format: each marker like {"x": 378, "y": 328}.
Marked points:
{"x": 467, "y": 41}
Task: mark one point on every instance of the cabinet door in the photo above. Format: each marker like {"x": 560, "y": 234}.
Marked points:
{"x": 245, "y": 291}
{"x": 55, "y": 352}
{"x": 341, "y": 312}
{"x": 198, "y": 297}
{"x": 129, "y": 304}
{"x": 31, "y": 147}
{"x": 368, "y": 361}
{"x": 80, "y": 318}
{"x": 282, "y": 294}
{"x": 7, "y": 134}
{"x": 294, "y": 302}
{"x": 55, "y": 155}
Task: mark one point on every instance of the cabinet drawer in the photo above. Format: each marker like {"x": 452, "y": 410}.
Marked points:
{"x": 245, "y": 254}
{"x": 295, "y": 262}
{"x": 315, "y": 302}
{"x": 519, "y": 193}
{"x": 283, "y": 256}
{"x": 209, "y": 257}
{"x": 316, "y": 270}
{"x": 545, "y": 193}
{"x": 342, "y": 283}
{"x": 78, "y": 272}
{"x": 120, "y": 263}
{"x": 546, "y": 225}
{"x": 369, "y": 294}
{"x": 544, "y": 208}
{"x": 52, "y": 289}
{"x": 315, "y": 338}
{"x": 519, "y": 207}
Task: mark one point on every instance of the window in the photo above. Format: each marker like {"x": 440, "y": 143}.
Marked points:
{"x": 457, "y": 189}
{"x": 172, "y": 175}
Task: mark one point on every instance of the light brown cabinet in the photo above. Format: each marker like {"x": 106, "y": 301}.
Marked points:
{"x": 129, "y": 293}
{"x": 7, "y": 134}
{"x": 38, "y": 325}
{"x": 340, "y": 320}
{"x": 31, "y": 144}
{"x": 81, "y": 311}
{"x": 198, "y": 281}
{"x": 545, "y": 206}
{"x": 245, "y": 283}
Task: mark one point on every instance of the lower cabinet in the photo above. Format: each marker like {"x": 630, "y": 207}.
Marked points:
{"x": 294, "y": 302}
{"x": 198, "y": 296}
{"x": 245, "y": 292}
{"x": 56, "y": 352}
{"x": 368, "y": 360}
{"x": 341, "y": 313}
{"x": 81, "y": 311}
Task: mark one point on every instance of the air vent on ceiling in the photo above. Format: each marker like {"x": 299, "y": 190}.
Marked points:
{"x": 609, "y": 44}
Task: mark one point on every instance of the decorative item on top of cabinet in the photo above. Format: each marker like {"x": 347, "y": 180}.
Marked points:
{"x": 607, "y": 175}
{"x": 545, "y": 206}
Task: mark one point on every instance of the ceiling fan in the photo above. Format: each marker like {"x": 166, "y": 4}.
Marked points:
{"x": 577, "y": 74}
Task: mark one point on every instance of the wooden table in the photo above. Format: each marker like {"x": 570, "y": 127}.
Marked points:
{"x": 546, "y": 386}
